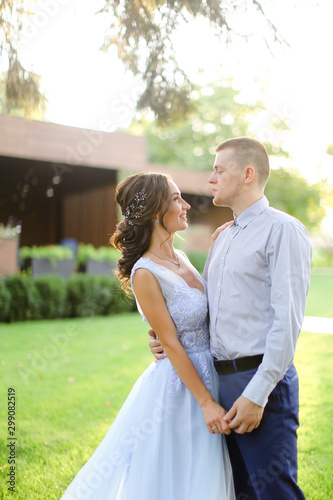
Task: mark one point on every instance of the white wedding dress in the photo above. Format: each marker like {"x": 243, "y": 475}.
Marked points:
{"x": 158, "y": 447}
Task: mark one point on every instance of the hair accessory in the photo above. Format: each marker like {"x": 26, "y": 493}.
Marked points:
{"x": 135, "y": 209}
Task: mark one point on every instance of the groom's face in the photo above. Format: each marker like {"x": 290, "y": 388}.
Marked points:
{"x": 226, "y": 179}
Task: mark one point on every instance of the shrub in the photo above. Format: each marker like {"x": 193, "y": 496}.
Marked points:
{"x": 90, "y": 295}
{"x": 82, "y": 296}
{"x": 53, "y": 297}
{"x": 51, "y": 252}
{"x": 86, "y": 252}
{"x": 24, "y": 298}
{"x": 121, "y": 302}
{"x": 4, "y": 301}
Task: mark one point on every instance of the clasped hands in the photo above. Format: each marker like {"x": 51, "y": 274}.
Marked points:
{"x": 243, "y": 416}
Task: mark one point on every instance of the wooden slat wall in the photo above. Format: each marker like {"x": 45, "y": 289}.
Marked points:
{"x": 55, "y": 143}
{"x": 89, "y": 216}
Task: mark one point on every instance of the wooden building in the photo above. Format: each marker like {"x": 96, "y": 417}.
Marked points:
{"x": 60, "y": 182}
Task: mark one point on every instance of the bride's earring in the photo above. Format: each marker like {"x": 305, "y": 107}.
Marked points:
{"x": 157, "y": 221}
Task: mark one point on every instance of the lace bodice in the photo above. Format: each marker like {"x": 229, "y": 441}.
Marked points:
{"x": 187, "y": 306}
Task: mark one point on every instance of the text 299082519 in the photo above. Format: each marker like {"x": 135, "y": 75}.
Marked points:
{"x": 12, "y": 439}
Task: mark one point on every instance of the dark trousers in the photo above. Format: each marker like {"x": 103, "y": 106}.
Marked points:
{"x": 264, "y": 461}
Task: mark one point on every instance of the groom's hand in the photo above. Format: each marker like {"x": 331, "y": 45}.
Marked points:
{"x": 244, "y": 415}
{"x": 155, "y": 346}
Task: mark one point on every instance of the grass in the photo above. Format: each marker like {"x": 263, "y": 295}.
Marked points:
{"x": 320, "y": 298}
{"x": 71, "y": 377}
{"x": 313, "y": 361}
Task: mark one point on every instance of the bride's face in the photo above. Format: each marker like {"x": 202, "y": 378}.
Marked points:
{"x": 176, "y": 217}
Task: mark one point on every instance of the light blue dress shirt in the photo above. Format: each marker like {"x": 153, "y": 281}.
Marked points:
{"x": 258, "y": 274}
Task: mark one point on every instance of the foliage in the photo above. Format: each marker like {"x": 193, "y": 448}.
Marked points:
{"x": 329, "y": 149}
{"x": 322, "y": 257}
{"x": 122, "y": 302}
{"x": 24, "y": 303}
{"x": 51, "y": 252}
{"x": 53, "y": 296}
{"x": 4, "y": 301}
{"x": 94, "y": 295}
{"x": 219, "y": 114}
{"x": 19, "y": 92}
{"x": 87, "y": 296}
{"x": 11, "y": 12}
{"x": 23, "y": 297}
{"x": 142, "y": 32}
{"x": 19, "y": 88}
{"x": 11, "y": 229}
{"x": 326, "y": 200}
{"x": 86, "y": 252}
{"x": 292, "y": 193}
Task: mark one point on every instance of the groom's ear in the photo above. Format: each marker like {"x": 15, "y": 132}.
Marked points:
{"x": 249, "y": 174}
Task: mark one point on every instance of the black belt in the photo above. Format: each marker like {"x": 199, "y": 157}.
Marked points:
{"x": 238, "y": 364}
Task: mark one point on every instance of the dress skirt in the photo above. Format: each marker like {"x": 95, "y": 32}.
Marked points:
{"x": 158, "y": 447}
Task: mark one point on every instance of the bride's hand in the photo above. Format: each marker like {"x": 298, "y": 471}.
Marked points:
{"x": 217, "y": 232}
{"x": 155, "y": 346}
{"x": 213, "y": 414}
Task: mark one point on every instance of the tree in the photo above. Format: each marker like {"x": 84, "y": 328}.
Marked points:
{"x": 329, "y": 149}
{"x": 19, "y": 88}
{"x": 290, "y": 192}
{"x": 20, "y": 94}
{"x": 142, "y": 32}
{"x": 219, "y": 114}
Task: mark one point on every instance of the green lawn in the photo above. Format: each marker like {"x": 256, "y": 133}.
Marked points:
{"x": 320, "y": 298}
{"x": 68, "y": 391}
{"x": 313, "y": 361}
{"x": 71, "y": 377}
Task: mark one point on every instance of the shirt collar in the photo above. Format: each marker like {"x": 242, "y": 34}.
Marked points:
{"x": 251, "y": 212}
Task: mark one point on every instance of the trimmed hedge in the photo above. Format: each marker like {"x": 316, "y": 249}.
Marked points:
{"x": 53, "y": 296}
{"x": 23, "y": 297}
{"x": 24, "y": 302}
{"x": 4, "y": 301}
{"x": 90, "y": 295}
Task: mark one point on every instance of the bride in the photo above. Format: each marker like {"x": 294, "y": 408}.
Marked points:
{"x": 167, "y": 441}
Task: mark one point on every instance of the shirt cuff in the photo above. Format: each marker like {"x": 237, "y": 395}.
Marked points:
{"x": 258, "y": 390}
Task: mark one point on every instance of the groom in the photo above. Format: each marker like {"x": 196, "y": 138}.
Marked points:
{"x": 258, "y": 274}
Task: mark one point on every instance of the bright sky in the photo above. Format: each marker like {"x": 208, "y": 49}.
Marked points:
{"x": 84, "y": 86}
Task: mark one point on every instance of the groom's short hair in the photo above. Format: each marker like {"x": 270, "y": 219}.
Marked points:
{"x": 249, "y": 151}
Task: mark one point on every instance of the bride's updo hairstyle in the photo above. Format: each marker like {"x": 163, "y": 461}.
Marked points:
{"x": 141, "y": 197}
